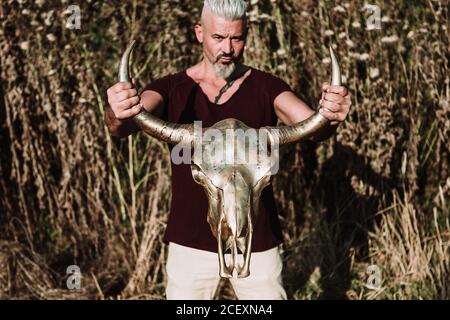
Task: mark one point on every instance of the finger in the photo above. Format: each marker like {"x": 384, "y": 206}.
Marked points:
{"x": 127, "y": 104}
{"x": 325, "y": 86}
{"x": 348, "y": 100}
{"x": 120, "y": 86}
{"x": 327, "y": 114}
{"x": 124, "y": 95}
{"x": 341, "y": 90}
{"x": 332, "y": 106}
{"x": 334, "y": 97}
{"x": 332, "y": 116}
{"x": 130, "y": 112}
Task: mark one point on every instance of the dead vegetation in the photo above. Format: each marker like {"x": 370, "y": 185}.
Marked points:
{"x": 376, "y": 194}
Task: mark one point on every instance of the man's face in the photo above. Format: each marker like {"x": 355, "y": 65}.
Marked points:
{"x": 223, "y": 42}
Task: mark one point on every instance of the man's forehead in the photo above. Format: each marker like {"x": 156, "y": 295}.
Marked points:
{"x": 216, "y": 24}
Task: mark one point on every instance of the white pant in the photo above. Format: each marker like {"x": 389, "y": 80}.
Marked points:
{"x": 193, "y": 274}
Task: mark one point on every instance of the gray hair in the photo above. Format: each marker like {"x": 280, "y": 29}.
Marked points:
{"x": 229, "y": 9}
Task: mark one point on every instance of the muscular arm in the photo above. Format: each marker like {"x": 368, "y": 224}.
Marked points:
{"x": 291, "y": 110}
{"x": 152, "y": 102}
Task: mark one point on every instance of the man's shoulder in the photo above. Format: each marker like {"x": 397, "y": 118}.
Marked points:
{"x": 267, "y": 82}
{"x": 174, "y": 78}
{"x": 266, "y": 76}
{"x": 172, "y": 81}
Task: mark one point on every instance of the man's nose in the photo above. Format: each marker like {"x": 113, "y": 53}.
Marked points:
{"x": 227, "y": 48}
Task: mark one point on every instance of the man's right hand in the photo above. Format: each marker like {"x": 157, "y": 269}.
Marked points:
{"x": 124, "y": 100}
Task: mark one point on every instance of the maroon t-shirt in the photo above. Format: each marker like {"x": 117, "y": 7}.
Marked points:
{"x": 186, "y": 102}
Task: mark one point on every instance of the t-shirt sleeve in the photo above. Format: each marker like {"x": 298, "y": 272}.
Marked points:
{"x": 276, "y": 86}
{"x": 162, "y": 86}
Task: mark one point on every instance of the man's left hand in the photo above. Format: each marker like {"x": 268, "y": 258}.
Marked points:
{"x": 335, "y": 103}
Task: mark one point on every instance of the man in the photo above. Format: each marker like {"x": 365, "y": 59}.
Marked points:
{"x": 219, "y": 87}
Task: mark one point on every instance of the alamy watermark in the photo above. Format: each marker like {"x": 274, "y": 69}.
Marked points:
{"x": 73, "y": 282}
{"x": 374, "y": 279}
{"x": 373, "y": 21}
{"x": 229, "y": 146}
{"x": 74, "y": 20}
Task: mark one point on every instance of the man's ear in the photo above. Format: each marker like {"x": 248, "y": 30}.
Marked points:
{"x": 199, "y": 32}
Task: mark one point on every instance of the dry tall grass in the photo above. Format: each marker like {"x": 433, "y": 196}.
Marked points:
{"x": 375, "y": 194}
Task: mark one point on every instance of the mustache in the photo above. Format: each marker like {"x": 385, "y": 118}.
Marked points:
{"x": 231, "y": 56}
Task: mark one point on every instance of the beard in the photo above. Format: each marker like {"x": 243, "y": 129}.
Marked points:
{"x": 224, "y": 70}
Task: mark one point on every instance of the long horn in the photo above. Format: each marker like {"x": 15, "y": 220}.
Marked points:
{"x": 166, "y": 131}
{"x": 309, "y": 127}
